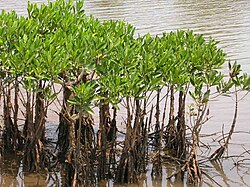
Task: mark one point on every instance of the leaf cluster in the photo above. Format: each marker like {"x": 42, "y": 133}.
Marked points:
{"x": 57, "y": 41}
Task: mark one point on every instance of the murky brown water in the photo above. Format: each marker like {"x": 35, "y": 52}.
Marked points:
{"x": 225, "y": 20}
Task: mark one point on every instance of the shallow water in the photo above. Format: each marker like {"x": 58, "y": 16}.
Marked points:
{"x": 228, "y": 21}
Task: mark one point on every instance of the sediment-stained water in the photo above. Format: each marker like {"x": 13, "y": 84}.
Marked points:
{"x": 228, "y": 21}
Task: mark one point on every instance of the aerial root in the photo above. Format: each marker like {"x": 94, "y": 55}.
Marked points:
{"x": 192, "y": 168}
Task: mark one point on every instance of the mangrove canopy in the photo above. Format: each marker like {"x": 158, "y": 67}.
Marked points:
{"x": 57, "y": 54}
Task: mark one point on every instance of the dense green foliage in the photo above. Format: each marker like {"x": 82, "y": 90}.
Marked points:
{"x": 59, "y": 38}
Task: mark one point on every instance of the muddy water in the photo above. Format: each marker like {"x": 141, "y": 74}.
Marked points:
{"x": 228, "y": 21}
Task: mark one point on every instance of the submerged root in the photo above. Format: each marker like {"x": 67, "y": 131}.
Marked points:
{"x": 33, "y": 159}
{"x": 126, "y": 172}
{"x": 171, "y": 139}
{"x": 157, "y": 164}
{"x": 192, "y": 168}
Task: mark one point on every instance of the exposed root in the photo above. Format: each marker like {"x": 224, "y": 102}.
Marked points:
{"x": 191, "y": 166}
{"x": 34, "y": 158}
{"x": 221, "y": 150}
{"x": 157, "y": 164}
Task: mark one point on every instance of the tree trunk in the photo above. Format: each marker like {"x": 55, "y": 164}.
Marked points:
{"x": 157, "y": 170}
{"x": 170, "y": 134}
{"x": 125, "y": 170}
{"x": 133, "y": 154}
{"x": 11, "y": 135}
{"x": 181, "y": 127}
{"x": 66, "y": 137}
{"x": 34, "y": 154}
{"x": 30, "y": 157}
{"x": 104, "y": 126}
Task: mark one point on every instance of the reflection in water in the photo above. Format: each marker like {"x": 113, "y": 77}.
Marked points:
{"x": 222, "y": 175}
{"x": 219, "y": 168}
{"x": 12, "y": 174}
{"x": 10, "y": 170}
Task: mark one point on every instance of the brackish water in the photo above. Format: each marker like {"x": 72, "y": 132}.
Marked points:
{"x": 228, "y": 21}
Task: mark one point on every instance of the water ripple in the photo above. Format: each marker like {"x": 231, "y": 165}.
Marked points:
{"x": 227, "y": 21}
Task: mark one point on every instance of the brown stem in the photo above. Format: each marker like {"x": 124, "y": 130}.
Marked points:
{"x": 234, "y": 120}
{"x": 17, "y": 136}
{"x": 171, "y": 134}
{"x": 104, "y": 128}
{"x": 9, "y": 132}
{"x": 181, "y": 127}
{"x": 157, "y": 170}
{"x": 218, "y": 153}
{"x": 157, "y": 114}
{"x": 171, "y": 112}
{"x": 125, "y": 169}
